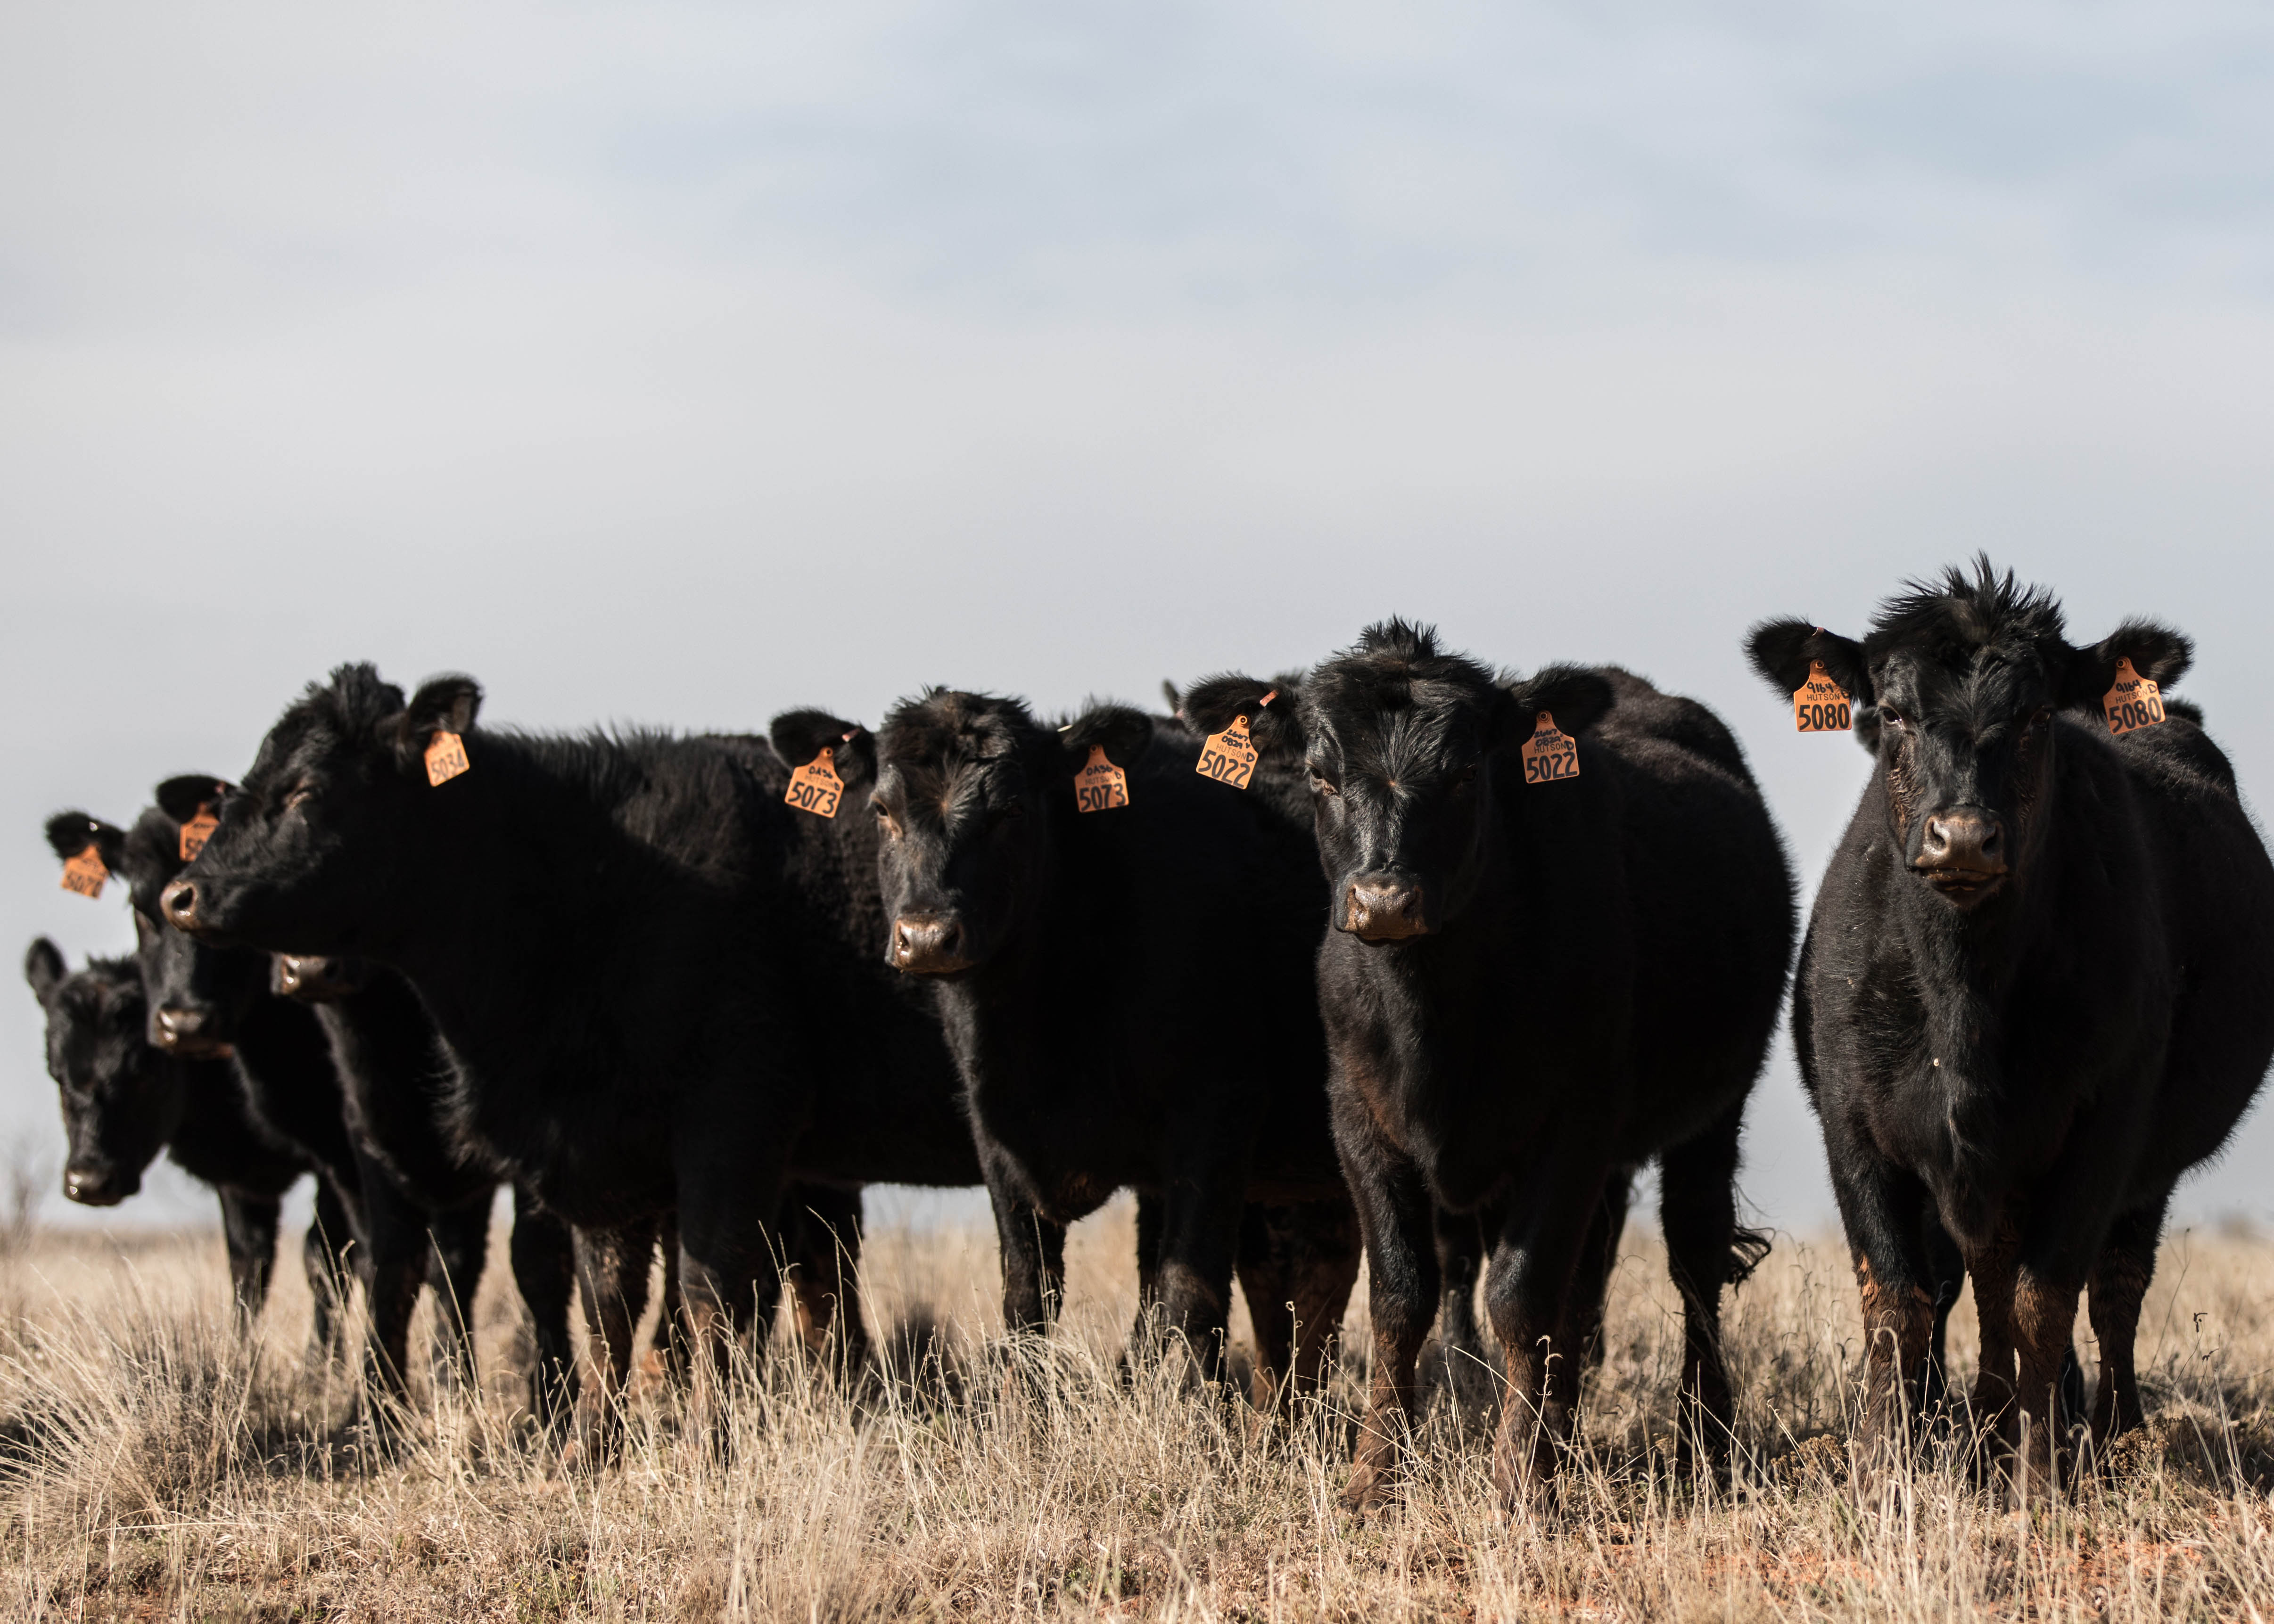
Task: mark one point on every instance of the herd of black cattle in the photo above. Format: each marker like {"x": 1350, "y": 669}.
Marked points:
{"x": 1399, "y": 951}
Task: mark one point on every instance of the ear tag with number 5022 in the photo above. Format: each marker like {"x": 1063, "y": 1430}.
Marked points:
{"x": 1550, "y": 753}
{"x": 1229, "y": 756}
{"x": 1100, "y": 785}
{"x": 816, "y": 788}
{"x": 445, "y": 758}
{"x": 85, "y": 873}
{"x": 197, "y": 830}
{"x": 1820, "y": 705}
{"x": 2134, "y": 703}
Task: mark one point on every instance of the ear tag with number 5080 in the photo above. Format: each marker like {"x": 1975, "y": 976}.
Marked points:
{"x": 1550, "y": 753}
{"x": 1100, "y": 785}
{"x": 85, "y": 873}
{"x": 1229, "y": 756}
{"x": 197, "y": 830}
{"x": 2134, "y": 703}
{"x": 1820, "y": 705}
{"x": 445, "y": 758}
{"x": 816, "y": 788}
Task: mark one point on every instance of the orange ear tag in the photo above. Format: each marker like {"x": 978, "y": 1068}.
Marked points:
{"x": 2134, "y": 703}
{"x": 816, "y": 788}
{"x": 1100, "y": 785}
{"x": 445, "y": 759}
{"x": 1230, "y": 757}
{"x": 85, "y": 873}
{"x": 1820, "y": 705}
{"x": 1550, "y": 753}
{"x": 197, "y": 830}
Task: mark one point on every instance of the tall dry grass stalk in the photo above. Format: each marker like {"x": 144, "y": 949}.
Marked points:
{"x": 155, "y": 1465}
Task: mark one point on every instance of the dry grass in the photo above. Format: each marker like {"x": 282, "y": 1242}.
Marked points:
{"x": 150, "y": 1467}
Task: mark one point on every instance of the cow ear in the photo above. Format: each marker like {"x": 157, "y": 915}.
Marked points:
{"x": 1577, "y": 696}
{"x": 44, "y": 968}
{"x": 69, "y": 832}
{"x": 1783, "y": 651}
{"x": 2157, "y": 652}
{"x": 444, "y": 704}
{"x": 1212, "y": 702}
{"x": 798, "y": 736}
{"x": 1123, "y": 730}
{"x": 179, "y": 798}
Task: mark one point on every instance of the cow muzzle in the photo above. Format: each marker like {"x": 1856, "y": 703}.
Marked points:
{"x": 313, "y": 978}
{"x": 192, "y": 1033}
{"x": 92, "y": 1185}
{"x": 178, "y": 902}
{"x": 929, "y": 944}
{"x": 1962, "y": 853}
{"x": 1384, "y": 909}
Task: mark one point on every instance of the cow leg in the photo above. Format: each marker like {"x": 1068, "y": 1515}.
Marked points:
{"x": 457, "y": 1253}
{"x": 1325, "y": 1271}
{"x": 1150, "y": 1224}
{"x": 248, "y": 1228}
{"x": 612, "y": 1279}
{"x": 1697, "y": 1212}
{"x": 1201, "y": 1239}
{"x": 544, "y": 1269}
{"x": 327, "y": 1256}
{"x": 730, "y": 1256}
{"x": 674, "y": 1353}
{"x": 1266, "y": 1269}
{"x": 1946, "y": 1268}
{"x": 1591, "y": 1285}
{"x": 1994, "y": 1267}
{"x": 1461, "y": 1248}
{"x": 1033, "y": 1250}
{"x": 1394, "y": 1217}
{"x": 824, "y": 1275}
{"x": 1881, "y": 1210}
{"x": 2119, "y": 1280}
{"x": 2044, "y": 1328}
{"x": 393, "y": 1268}
{"x": 1528, "y": 1293}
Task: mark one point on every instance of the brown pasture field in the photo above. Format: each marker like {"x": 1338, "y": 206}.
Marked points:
{"x": 155, "y": 1467}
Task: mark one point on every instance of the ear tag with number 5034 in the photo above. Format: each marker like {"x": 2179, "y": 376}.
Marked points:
{"x": 2134, "y": 703}
{"x": 816, "y": 788}
{"x": 1820, "y": 705}
{"x": 1229, "y": 756}
{"x": 1550, "y": 753}
{"x": 1100, "y": 785}
{"x": 445, "y": 758}
{"x": 85, "y": 873}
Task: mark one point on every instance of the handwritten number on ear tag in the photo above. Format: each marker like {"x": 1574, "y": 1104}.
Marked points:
{"x": 197, "y": 830}
{"x": 816, "y": 788}
{"x": 1550, "y": 754}
{"x": 445, "y": 758}
{"x": 1229, "y": 756}
{"x": 2134, "y": 703}
{"x": 85, "y": 873}
{"x": 1100, "y": 785}
{"x": 1820, "y": 705}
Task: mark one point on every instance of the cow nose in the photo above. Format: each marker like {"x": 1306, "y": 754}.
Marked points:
{"x": 1385, "y": 910}
{"x": 92, "y": 1186}
{"x": 927, "y": 944}
{"x": 1969, "y": 842}
{"x": 290, "y": 977}
{"x": 182, "y": 1030}
{"x": 179, "y": 904}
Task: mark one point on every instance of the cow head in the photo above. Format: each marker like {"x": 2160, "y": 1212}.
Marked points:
{"x": 1964, "y": 677}
{"x": 336, "y": 832}
{"x": 969, "y": 789}
{"x": 1404, "y": 747}
{"x": 121, "y": 1100}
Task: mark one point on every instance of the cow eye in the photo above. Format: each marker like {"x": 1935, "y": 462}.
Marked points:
{"x": 1892, "y": 717}
{"x": 1465, "y": 775}
{"x": 1321, "y": 782}
{"x": 2039, "y": 717}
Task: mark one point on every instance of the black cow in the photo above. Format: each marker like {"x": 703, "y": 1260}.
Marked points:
{"x": 1534, "y": 981}
{"x": 1128, "y": 995}
{"x": 125, "y": 1101}
{"x": 2038, "y": 986}
{"x": 656, "y": 980}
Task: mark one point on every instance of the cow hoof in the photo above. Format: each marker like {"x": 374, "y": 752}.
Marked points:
{"x": 1367, "y": 1491}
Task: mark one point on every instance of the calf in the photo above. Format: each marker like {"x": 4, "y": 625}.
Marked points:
{"x": 125, "y": 1101}
{"x": 1128, "y": 996}
{"x": 648, "y": 969}
{"x": 1534, "y": 981}
{"x": 2038, "y": 986}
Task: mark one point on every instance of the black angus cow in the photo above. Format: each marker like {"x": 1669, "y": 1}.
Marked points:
{"x": 125, "y": 1101}
{"x": 1534, "y": 982}
{"x": 656, "y": 980}
{"x": 1128, "y": 995}
{"x": 2037, "y": 986}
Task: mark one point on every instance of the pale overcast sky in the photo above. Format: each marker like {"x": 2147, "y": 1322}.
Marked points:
{"x": 679, "y": 364}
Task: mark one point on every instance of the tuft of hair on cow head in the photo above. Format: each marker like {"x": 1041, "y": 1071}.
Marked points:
{"x": 798, "y": 736}
{"x": 1276, "y": 729}
{"x": 1784, "y": 650}
{"x": 68, "y": 833}
{"x": 446, "y": 703}
{"x": 2157, "y": 652}
{"x": 1575, "y": 696}
{"x": 180, "y": 798}
{"x": 1123, "y": 730}
{"x": 44, "y": 968}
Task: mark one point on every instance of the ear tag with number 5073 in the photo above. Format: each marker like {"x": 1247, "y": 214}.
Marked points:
{"x": 2134, "y": 703}
{"x": 1550, "y": 753}
{"x": 197, "y": 830}
{"x": 816, "y": 788}
{"x": 85, "y": 873}
{"x": 445, "y": 758}
{"x": 1100, "y": 785}
{"x": 1820, "y": 705}
{"x": 1229, "y": 756}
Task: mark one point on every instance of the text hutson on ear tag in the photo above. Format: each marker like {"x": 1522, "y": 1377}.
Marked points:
{"x": 1550, "y": 753}
{"x": 85, "y": 873}
{"x": 1820, "y": 705}
{"x": 1100, "y": 785}
{"x": 2134, "y": 703}
{"x": 816, "y": 788}
{"x": 445, "y": 759}
{"x": 197, "y": 830}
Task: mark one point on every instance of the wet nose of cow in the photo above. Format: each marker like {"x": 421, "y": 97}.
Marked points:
{"x": 1385, "y": 910}
{"x": 179, "y": 904}
{"x": 927, "y": 944}
{"x": 92, "y": 1185}
{"x": 1967, "y": 842}
{"x": 173, "y": 1026}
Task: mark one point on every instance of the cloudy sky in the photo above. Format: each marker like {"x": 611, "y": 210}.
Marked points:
{"x": 680, "y": 364}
